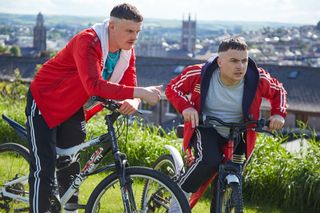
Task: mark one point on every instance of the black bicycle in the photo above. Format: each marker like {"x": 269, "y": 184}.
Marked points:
{"x": 228, "y": 180}
{"x": 124, "y": 185}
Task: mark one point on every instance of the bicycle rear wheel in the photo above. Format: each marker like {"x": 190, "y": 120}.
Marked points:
{"x": 107, "y": 196}
{"x": 14, "y": 172}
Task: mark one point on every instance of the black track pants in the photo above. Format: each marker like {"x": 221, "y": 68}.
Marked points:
{"x": 42, "y": 143}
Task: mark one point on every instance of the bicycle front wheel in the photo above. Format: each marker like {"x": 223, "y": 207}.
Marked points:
{"x": 107, "y": 196}
{"x": 231, "y": 199}
{"x": 14, "y": 172}
{"x": 165, "y": 164}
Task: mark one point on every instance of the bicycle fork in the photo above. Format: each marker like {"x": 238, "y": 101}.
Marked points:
{"x": 125, "y": 184}
{"x": 229, "y": 174}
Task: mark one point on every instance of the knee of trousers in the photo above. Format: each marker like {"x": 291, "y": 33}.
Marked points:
{"x": 45, "y": 173}
{"x": 211, "y": 163}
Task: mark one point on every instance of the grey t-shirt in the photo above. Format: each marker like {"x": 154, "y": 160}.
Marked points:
{"x": 224, "y": 102}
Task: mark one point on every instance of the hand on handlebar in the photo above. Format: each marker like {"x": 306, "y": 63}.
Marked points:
{"x": 129, "y": 106}
{"x": 276, "y": 122}
{"x": 191, "y": 114}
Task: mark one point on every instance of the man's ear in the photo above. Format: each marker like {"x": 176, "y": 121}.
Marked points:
{"x": 111, "y": 25}
{"x": 219, "y": 61}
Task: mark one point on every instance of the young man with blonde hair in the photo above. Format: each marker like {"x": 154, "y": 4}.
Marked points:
{"x": 98, "y": 61}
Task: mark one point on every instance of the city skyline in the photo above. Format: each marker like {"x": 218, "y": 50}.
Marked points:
{"x": 285, "y": 11}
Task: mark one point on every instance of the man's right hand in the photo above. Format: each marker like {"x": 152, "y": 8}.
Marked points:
{"x": 151, "y": 95}
{"x": 191, "y": 114}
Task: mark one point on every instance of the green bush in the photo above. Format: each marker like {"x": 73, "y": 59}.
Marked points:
{"x": 286, "y": 180}
{"x": 273, "y": 175}
{"x": 142, "y": 144}
{"x": 13, "y": 108}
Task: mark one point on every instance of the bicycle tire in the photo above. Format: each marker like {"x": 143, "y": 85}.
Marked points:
{"x": 165, "y": 164}
{"x": 15, "y": 163}
{"x": 231, "y": 200}
{"x": 157, "y": 200}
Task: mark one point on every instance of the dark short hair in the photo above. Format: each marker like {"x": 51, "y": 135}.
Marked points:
{"x": 234, "y": 43}
{"x": 126, "y": 11}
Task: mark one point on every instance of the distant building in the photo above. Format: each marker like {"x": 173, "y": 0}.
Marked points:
{"x": 39, "y": 34}
{"x": 318, "y": 26}
{"x": 150, "y": 47}
{"x": 301, "y": 83}
{"x": 188, "y": 37}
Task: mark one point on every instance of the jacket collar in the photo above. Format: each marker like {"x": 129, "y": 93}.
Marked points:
{"x": 101, "y": 30}
{"x": 251, "y": 81}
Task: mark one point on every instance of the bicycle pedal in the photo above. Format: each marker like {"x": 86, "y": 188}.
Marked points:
{"x": 81, "y": 206}
{"x": 74, "y": 206}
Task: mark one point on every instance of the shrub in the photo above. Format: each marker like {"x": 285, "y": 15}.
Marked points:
{"x": 272, "y": 176}
{"x": 286, "y": 180}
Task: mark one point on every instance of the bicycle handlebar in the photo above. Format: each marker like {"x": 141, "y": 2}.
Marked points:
{"x": 109, "y": 104}
{"x": 256, "y": 125}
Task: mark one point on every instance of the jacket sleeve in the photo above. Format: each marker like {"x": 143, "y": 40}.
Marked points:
{"x": 179, "y": 89}
{"x": 88, "y": 61}
{"x": 274, "y": 91}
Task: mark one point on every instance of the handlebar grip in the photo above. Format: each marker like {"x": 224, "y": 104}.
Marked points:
{"x": 97, "y": 98}
{"x": 110, "y": 104}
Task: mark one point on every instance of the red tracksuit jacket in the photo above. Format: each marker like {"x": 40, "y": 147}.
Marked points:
{"x": 65, "y": 82}
{"x": 190, "y": 89}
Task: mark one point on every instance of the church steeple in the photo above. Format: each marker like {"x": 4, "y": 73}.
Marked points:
{"x": 39, "y": 34}
{"x": 188, "y": 38}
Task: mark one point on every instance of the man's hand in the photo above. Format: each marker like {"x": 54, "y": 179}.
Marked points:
{"x": 191, "y": 114}
{"x": 129, "y": 106}
{"x": 151, "y": 95}
{"x": 276, "y": 122}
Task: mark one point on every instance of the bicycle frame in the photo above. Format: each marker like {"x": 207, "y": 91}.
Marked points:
{"x": 91, "y": 165}
{"x": 22, "y": 180}
{"x": 227, "y": 151}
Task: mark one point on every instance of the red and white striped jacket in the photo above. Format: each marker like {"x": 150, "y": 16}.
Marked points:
{"x": 64, "y": 83}
{"x": 190, "y": 88}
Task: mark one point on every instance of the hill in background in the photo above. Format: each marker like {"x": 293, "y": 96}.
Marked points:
{"x": 52, "y": 20}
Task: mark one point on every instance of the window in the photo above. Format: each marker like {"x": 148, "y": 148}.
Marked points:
{"x": 293, "y": 74}
{"x": 171, "y": 109}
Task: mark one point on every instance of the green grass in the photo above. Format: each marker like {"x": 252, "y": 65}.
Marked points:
{"x": 202, "y": 207}
{"x": 274, "y": 178}
{"x": 13, "y": 166}
{"x": 112, "y": 204}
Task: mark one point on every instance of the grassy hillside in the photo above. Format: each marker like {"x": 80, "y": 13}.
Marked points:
{"x": 273, "y": 177}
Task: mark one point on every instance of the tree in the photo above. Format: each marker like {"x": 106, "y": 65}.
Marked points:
{"x": 15, "y": 50}
{"x": 318, "y": 26}
{"x": 3, "y": 49}
{"x": 37, "y": 68}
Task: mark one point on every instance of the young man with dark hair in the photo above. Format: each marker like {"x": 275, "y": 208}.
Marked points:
{"x": 98, "y": 61}
{"x": 230, "y": 87}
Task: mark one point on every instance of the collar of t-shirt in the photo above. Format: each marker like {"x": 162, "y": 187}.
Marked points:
{"x": 110, "y": 64}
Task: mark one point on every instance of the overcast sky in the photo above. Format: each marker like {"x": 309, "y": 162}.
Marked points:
{"x": 287, "y": 11}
